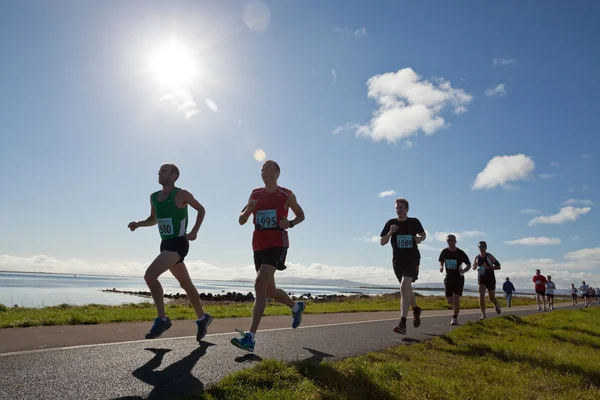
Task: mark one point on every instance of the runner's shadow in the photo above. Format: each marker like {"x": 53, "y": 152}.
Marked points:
{"x": 248, "y": 358}
{"x": 176, "y": 379}
{"x": 410, "y": 340}
{"x": 316, "y": 357}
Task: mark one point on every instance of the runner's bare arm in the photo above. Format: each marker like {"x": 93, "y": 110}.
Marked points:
{"x": 495, "y": 263}
{"x": 189, "y": 199}
{"x": 298, "y": 211}
{"x": 441, "y": 266}
{"x": 247, "y": 211}
{"x": 151, "y": 220}
{"x": 474, "y": 263}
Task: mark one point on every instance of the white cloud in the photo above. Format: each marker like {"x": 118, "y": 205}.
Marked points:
{"x": 535, "y": 241}
{"x": 497, "y": 91}
{"x": 530, "y": 211}
{"x": 441, "y": 236}
{"x": 584, "y": 255}
{"x": 548, "y": 176}
{"x": 357, "y": 33}
{"x": 502, "y": 169}
{"x": 369, "y": 238}
{"x": 333, "y": 77}
{"x": 407, "y": 105}
{"x": 386, "y": 193}
{"x": 577, "y": 202}
{"x": 407, "y": 144}
{"x": 504, "y": 61}
{"x": 565, "y": 214}
{"x": 361, "y": 32}
{"x": 184, "y": 102}
{"x": 555, "y": 164}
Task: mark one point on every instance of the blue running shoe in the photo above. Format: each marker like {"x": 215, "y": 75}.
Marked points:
{"x": 245, "y": 342}
{"x": 158, "y": 328}
{"x": 203, "y": 327}
{"x": 297, "y": 316}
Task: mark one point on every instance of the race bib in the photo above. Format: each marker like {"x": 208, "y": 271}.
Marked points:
{"x": 404, "y": 241}
{"x": 481, "y": 270}
{"x": 451, "y": 264}
{"x": 266, "y": 219}
{"x": 165, "y": 226}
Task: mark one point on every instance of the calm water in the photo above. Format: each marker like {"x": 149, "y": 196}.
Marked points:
{"x": 39, "y": 290}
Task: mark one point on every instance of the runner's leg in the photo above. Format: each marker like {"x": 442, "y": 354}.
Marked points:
{"x": 407, "y": 296}
{"x": 482, "y": 290}
{"x": 180, "y": 272}
{"x": 279, "y": 295}
{"x": 456, "y": 303}
{"x": 160, "y": 265}
{"x": 264, "y": 279}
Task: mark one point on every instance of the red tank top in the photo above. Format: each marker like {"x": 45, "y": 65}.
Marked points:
{"x": 270, "y": 209}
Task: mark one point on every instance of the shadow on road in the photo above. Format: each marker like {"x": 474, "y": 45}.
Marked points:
{"x": 248, "y": 358}
{"x": 173, "y": 381}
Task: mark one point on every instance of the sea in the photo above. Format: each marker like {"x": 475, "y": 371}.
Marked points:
{"x": 42, "y": 290}
{"x": 25, "y": 289}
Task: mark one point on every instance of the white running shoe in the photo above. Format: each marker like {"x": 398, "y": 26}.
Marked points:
{"x": 483, "y": 316}
{"x": 454, "y": 321}
{"x": 539, "y": 308}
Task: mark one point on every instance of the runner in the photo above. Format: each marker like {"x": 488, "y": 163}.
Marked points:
{"x": 269, "y": 207}
{"x": 452, "y": 258}
{"x": 508, "y": 289}
{"x": 168, "y": 209}
{"x": 486, "y": 264}
{"x": 405, "y": 234}
{"x": 584, "y": 289}
{"x": 574, "y": 294}
{"x": 550, "y": 288}
{"x": 540, "y": 288}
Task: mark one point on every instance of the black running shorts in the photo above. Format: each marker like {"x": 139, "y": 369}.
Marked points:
{"x": 540, "y": 292}
{"x": 454, "y": 285}
{"x": 179, "y": 245}
{"x": 490, "y": 283}
{"x": 410, "y": 269}
{"x": 274, "y": 256}
{"x": 550, "y": 296}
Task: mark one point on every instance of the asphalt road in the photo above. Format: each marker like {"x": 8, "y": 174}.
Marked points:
{"x": 167, "y": 367}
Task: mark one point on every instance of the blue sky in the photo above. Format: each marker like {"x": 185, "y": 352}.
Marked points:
{"x": 352, "y": 99}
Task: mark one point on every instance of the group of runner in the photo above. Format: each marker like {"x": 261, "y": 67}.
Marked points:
{"x": 268, "y": 206}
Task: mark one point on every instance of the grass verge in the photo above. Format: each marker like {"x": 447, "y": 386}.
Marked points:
{"x": 65, "y": 314}
{"x": 543, "y": 356}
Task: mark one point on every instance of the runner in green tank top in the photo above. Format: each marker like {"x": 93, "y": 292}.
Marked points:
{"x": 168, "y": 210}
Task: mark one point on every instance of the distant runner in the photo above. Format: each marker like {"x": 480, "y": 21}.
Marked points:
{"x": 269, "y": 207}
{"x": 574, "y": 293}
{"x": 540, "y": 288}
{"x": 550, "y": 288}
{"x": 452, "y": 258}
{"x": 168, "y": 209}
{"x": 584, "y": 289}
{"x": 508, "y": 289}
{"x": 405, "y": 234}
{"x": 486, "y": 264}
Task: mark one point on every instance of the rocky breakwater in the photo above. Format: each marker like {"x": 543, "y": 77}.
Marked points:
{"x": 229, "y": 296}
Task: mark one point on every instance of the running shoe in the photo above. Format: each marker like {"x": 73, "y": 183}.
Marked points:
{"x": 245, "y": 342}
{"x": 158, "y": 328}
{"x": 417, "y": 317}
{"x": 498, "y": 309}
{"x": 297, "y": 316}
{"x": 454, "y": 321}
{"x": 203, "y": 327}
{"x": 401, "y": 328}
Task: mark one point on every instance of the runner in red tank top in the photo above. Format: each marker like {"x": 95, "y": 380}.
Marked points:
{"x": 269, "y": 207}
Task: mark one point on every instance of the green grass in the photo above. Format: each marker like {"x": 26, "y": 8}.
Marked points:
{"x": 543, "y": 356}
{"x": 66, "y": 314}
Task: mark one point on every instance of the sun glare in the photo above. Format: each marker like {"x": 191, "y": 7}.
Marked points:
{"x": 173, "y": 65}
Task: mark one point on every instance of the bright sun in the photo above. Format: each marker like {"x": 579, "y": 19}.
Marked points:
{"x": 172, "y": 65}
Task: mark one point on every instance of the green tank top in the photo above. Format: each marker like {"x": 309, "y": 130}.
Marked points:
{"x": 172, "y": 220}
